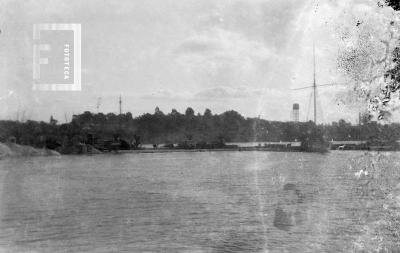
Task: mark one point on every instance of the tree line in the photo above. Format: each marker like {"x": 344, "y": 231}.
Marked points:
{"x": 176, "y": 127}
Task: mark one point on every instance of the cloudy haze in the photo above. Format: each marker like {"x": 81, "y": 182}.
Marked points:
{"x": 222, "y": 54}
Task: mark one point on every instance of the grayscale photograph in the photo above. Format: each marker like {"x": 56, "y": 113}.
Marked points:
{"x": 199, "y": 126}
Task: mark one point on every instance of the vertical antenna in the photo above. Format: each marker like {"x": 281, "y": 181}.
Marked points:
{"x": 98, "y": 104}
{"x": 120, "y": 112}
{"x": 315, "y": 88}
{"x": 120, "y": 105}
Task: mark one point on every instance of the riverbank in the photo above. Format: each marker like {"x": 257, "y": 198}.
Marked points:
{"x": 238, "y": 149}
{"x": 16, "y": 150}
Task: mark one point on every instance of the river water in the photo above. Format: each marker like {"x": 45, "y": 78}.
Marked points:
{"x": 201, "y": 202}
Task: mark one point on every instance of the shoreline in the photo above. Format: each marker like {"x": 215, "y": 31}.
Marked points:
{"x": 245, "y": 149}
{"x": 166, "y": 150}
{"x": 200, "y": 150}
{"x": 17, "y": 150}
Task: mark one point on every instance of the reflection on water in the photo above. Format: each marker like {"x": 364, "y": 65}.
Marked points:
{"x": 288, "y": 212}
{"x": 193, "y": 202}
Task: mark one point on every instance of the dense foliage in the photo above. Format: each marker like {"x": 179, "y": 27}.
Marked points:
{"x": 395, "y": 4}
{"x": 176, "y": 127}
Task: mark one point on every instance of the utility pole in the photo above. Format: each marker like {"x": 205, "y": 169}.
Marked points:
{"x": 98, "y": 104}
{"x": 120, "y": 105}
{"x": 315, "y": 89}
{"x": 120, "y": 113}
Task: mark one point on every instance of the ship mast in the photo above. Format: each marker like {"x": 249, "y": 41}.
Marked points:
{"x": 314, "y": 87}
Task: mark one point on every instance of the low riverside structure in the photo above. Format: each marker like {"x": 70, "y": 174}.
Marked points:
{"x": 266, "y": 144}
{"x": 364, "y": 145}
{"x": 348, "y": 145}
{"x": 230, "y": 146}
{"x": 270, "y": 146}
{"x": 283, "y": 143}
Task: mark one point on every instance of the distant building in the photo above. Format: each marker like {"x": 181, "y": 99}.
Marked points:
{"x": 295, "y": 112}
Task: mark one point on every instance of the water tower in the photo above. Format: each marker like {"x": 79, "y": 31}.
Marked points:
{"x": 295, "y": 113}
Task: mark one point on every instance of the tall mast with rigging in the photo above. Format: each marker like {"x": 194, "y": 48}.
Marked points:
{"x": 314, "y": 87}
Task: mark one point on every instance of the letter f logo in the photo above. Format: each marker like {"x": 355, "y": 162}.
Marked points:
{"x": 57, "y": 55}
{"x": 37, "y": 60}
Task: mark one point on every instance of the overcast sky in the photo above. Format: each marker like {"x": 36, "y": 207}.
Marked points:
{"x": 243, "y": 55}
